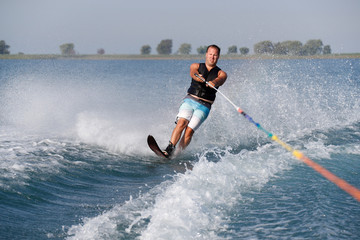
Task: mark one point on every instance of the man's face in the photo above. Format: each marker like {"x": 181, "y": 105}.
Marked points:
{"x": 212, "y": 56}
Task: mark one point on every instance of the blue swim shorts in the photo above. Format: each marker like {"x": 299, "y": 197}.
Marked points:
{"x": 194, "y": 111}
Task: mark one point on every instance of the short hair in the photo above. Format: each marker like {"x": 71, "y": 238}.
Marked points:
{"x": 214, "y": 46}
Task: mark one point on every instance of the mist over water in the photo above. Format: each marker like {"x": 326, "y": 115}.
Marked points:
{"x": 73, "y": 141}
{"x": 285, "y": 96}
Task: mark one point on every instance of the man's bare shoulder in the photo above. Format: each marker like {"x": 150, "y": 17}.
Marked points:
{"x": 195, "y": 65}
{"x": 222, "y": 74}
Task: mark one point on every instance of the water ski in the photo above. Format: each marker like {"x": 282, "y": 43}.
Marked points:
{"x": 155, "y": 147}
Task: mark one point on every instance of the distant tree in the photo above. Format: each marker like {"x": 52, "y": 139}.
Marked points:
{"x": 165, "y": 47}
{"x": 145, "y": 50}
{"x": 313, "y": 47}
{"x": 185, "y": 49}
{"x": 327, "y": 49}
{"x": 67, "y": 49}
{"x": 292, "y": 47}
{"x": 264, "y": 47}
{"x": 101, "y": 51}
{"x": 280, "y": 49}
{"x": 201, "y": 49}
{"x": 232, "y": 49}
{"x": 244, "y": 50}
{"x": 4, "y": 48}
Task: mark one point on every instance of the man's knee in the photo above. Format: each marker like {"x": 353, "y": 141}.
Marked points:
{"x": 182, "y": 123}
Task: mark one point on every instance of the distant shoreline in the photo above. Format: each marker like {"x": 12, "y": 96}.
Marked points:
{"x": 171, "y": 57}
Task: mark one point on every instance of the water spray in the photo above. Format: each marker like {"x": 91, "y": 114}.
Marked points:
{"x": 353, "y": 191}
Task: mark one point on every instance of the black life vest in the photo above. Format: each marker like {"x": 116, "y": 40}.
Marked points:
{"x": 199, "y": 88}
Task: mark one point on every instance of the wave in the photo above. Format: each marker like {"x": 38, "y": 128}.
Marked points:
{"x": 193, "y": 205}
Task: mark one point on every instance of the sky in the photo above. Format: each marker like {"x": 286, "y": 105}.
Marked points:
{"x": 124, "y": 26}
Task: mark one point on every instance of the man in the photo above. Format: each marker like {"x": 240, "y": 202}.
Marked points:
{"x": 197, "y": 103}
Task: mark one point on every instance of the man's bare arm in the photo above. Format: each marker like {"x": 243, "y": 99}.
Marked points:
{"x": 220, "y": 80}
{"x": 194, "y": 69}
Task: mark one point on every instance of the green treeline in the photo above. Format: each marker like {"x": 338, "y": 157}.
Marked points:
{"x": 290, "y": 48}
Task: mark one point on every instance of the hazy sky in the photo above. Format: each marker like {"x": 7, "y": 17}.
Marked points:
{"x": 123, "y": 26}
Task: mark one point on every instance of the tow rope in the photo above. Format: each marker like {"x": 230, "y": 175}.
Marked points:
{"x": 342, "y": 184}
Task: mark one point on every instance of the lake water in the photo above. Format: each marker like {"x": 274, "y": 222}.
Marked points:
{"x": 74, "y": 162}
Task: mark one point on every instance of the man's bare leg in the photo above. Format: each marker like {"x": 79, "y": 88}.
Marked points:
{"x": 186, "y": 139}
{"x": 176, "y": 134}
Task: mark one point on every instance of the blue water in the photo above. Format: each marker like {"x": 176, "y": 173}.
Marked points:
{"x": 74, "y": 163}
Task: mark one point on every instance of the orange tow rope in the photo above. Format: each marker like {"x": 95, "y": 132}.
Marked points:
{"x": 342, "y": 184}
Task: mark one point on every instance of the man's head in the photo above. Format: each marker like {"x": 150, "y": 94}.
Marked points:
{"x": 213, "y": 46}
{"x": 212, "y": 55}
